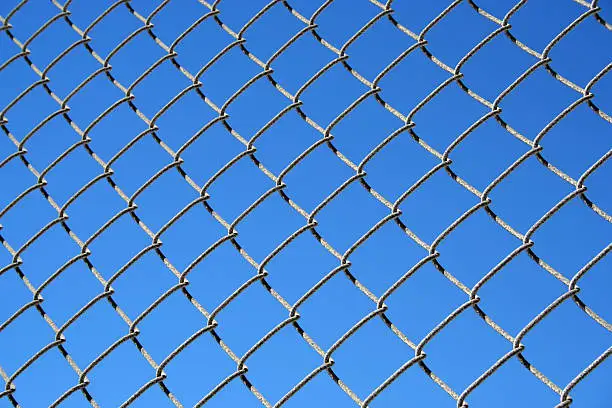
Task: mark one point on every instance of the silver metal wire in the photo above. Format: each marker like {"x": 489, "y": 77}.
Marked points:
{"x": 238, "y": 38}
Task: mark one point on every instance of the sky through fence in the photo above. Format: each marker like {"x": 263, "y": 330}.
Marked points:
{"x": 332, "y": 203}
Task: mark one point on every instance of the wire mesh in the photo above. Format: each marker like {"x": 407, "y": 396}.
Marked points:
{"x": 151, "y": 154}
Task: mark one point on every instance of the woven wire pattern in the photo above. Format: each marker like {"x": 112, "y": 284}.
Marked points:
{"x": 311, "y": 24}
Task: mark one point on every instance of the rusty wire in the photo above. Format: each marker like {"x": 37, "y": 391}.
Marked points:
{"x": 372, "y": 90}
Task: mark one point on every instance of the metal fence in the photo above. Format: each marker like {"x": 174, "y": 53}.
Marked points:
{"x": 312, "y": 25}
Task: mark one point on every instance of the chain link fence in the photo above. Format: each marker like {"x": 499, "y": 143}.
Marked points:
{"x": 264, "y": 164}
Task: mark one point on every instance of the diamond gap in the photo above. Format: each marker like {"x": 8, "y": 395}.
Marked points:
{"x": 322, "y": 384}
{"x": 300, "y": 62}
{"x": 512, "y": 376}
{"x": 447, "y": 116}
{"x": 29, "y": 111}
{"x": 413, "y": 386}
{"x": 521, "y": 289}
{"x": 30, "y": 390}
{"x": 16, "y": 179}
{"x": 92, "y": 100}
{"x": 47, "y": 253}
{"x": 136, "y": 57}
{"x": 398, "y": 166}
{"x": 161, "y": 200}
{"x": 568, "y": 253}
{"x": 115, "y": 27}
{"x": 330, "y": 94}
{"x": 207, "y": 32}
{"x": 49, "y": 142}
{"x": 362, "y": 130}
{"x": 527, "y": 194}
{"x": 449, "y": 40}
{"x": 184, "y": 119}
{"x": 315, "y": 177}
{"x": 69, "y": 292}
{"x": 136, "y": 165}
{"x": 384, "y": 258}
{"x": 16, "y": 76}
{"x": 341, "y": 225}
{"x": 417, "y": 16}
{"x": 380, "y": 45}
{"x": 281, "y": 221}
{"x": 75, "y": 170}
{"x": 95, "y": 207}
{"x": 576, "y": 142}
{"x": 273, "y": 29}
{"x": 30, "y": 17}
{"x": 24, "y": 337}
{"x": 439, "y": 195}
{"x": 475, "y": 247}
{"x": 207, "y": 152}
{"x": 169, "y": 324}
{"x": 295, "y": 269}
{"x": 23, "y": 221}
{"x": 333, "y": 309}
{"x": 230, "y": 72}
{"x": 410, "y": 81}
{"x": 464, "y": 350}
{"x": 248, "y": 317}
{"x": 281, "y": 363}
{"x": 190, "y": 375}
{"x": 217, "y": 275}
{"x": 141, "y": 284}
{"x": 203, "y": 232}
{"x": 596, "y": 278}
{"x": 174, "y": 18}
{"x": 485, "y": 154}
{"x": 88, "y": 338}
{"x": 56, "y": 38}
{"x": 234, "y": 394}
{"x": 495, "y": 66}
{"x": 123, "y": 382}
{"x": 542, "y": 96}
{"x": 255, "y": 107}
{"x": 547, "y": 345}
{"x": 119, "y": 243}
{"x": 159, "y": 87}
{"x": 115, "y": 131}
{"x": 237, "y": 189}
{"x": 282, "y": 143}
{"x": 556, "y": 20}
{"x": 20, "y": 295}
{"x": 344, "y": 28}
{"x": 369, "y": 356}
{"x": 424, "y": 299}
{"x": 236, "y": 14}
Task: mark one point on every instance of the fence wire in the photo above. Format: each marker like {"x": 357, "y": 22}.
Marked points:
{"x": 371, "y": 89}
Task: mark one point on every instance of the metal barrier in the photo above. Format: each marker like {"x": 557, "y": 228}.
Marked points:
{"x": 373, "y": 89}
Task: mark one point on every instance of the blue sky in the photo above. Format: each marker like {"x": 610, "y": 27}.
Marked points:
{"x": 563, "y": 344}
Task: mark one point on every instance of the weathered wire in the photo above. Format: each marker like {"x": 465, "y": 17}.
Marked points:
{"x": 372, "y": 89}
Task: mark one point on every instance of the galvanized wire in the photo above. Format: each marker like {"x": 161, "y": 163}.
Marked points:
{"x": 371, "y": 90}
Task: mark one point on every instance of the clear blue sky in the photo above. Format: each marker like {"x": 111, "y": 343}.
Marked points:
{"x": 560, "y": 346}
